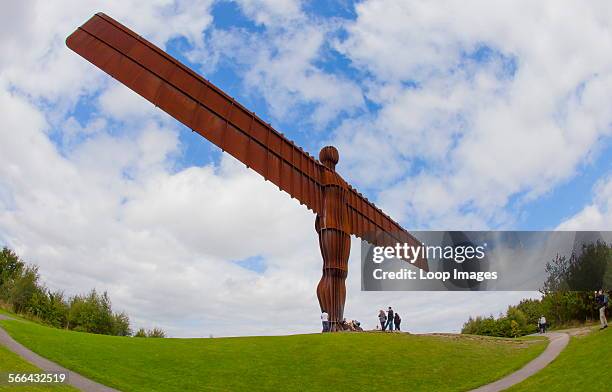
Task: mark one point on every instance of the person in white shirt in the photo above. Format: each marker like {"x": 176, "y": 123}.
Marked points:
{"x": 602, "y": 303}
{"x": 325, "y": 321}
{"x": 542, "y": 324}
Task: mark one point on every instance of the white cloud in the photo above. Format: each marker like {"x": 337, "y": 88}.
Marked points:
{"x": 112, "y": 215}
{"x": 34, "y": 32}
{"x": 284, "y": 71}
{"x": 598, "y": 214}
{"x": 110, "y": 210}
{"x": 280, "y": 63}
{"x": 162, "y": 243}
{"x": 470, "y": 133}
{"x": 272, "y": 12}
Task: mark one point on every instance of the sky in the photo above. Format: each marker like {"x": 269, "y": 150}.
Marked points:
{"x": 449, "y": 115}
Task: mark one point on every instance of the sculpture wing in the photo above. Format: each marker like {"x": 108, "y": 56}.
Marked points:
{"x": 371, "y": 224}
{"x": 206, "y": 109}
{"x": 197, "y": 103}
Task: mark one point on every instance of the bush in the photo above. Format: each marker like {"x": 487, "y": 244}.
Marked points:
{"x": 151, "y": 333}
{"x": 512, "y": 325}
{"x": 91, "y": 313}
{"x": 21, "y": 290}
{"x": 533, "y": 310}
{"x": 57, "y": 312}
{"x": 156, "y": 333}
{"x": 10, "y": 266}
{"x": 561, "y": 304}
{"x": 121, "y": 325}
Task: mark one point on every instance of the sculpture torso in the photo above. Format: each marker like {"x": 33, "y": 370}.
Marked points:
{"x": 333, "y": 227}
{"x": 335, "y": 208}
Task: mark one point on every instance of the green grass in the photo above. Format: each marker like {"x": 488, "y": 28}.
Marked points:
{"x": 343, "y": 362}
{"x": 10, "y": 362}
{"x": 584, "y": 365}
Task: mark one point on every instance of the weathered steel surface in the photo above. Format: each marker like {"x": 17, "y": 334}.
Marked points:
{"x": 198, "y": 104}
{"x": 334, "y": 229}
{"x": 203, "y": 107}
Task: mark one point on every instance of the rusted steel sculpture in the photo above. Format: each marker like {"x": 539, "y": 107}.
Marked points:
{"x": 201, "y": 106}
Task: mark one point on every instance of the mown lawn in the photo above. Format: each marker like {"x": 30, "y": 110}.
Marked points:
{"x": 330, "y": 362}
{"x": 10, "y": 362}
{"x": 584, "y": 365}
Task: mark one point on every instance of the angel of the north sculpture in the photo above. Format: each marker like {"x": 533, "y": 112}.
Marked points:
{"x": 183, "y": 94}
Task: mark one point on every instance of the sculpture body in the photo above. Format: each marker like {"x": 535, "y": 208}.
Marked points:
{"x": 195, "y": 102}
{"x": 333, "y": 227}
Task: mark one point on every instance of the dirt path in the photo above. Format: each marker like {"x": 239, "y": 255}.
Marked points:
{"x": 74, "y": 379}
{"x": 558, "y": 341}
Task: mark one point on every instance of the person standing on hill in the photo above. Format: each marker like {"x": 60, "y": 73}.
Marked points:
{"x": 325, "y": 321}
{"x": 397, "y": 321}
{"x": 602, "y": 303}
{"x": 382, "y": 317}
{"x": 390, "y": 319}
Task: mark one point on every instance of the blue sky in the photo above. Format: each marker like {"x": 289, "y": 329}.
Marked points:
{"x": 448, "y": 116}
{"x": 546, "y": 212}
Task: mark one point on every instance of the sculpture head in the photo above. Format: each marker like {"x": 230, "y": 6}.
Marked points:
{"x": 329, "y": 157}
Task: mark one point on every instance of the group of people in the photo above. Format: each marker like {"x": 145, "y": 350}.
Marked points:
{"x": 389, "y": 320}
{"x": 542, "y": 324}
{"x": 344, "y": 325}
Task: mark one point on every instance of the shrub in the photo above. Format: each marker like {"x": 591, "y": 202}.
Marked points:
{"x": 21, "y": 290}
{"x": 23, "y": 287}
{"x": 10, "y": 266}
{"x": 156, "y": 333}
{"x": 512, "y": 325}
{"x": 151, "y": 333}
{"x": 121, "y": 325}
{"x": 91, "y": 313}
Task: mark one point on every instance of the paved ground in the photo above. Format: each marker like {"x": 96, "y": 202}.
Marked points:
{"x": 74, "y": 379}
{"x": 558, "y": 341}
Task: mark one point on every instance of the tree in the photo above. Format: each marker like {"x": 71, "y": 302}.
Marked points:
{"x": 23, "y": 287}
{"x": 10, "y": 265}
{"x": 532, "y": 309}
{"x": 580, "y": 272}
{"x": 121, "y": 324}
{"x": 515, "y": 329}
{"x": 587, "y": 272}
{"x": 91, "y": 313}
{"x": 518, "y": 322}
{"x": 57, "y": 313}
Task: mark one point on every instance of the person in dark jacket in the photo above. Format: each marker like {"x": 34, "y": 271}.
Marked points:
{"x": 390, "y": 319}
{"x": 397, "y": 320}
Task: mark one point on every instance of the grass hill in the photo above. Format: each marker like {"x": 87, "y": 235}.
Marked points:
{"x": 584, "y": 365}
{"x": 12, "y": 363}
{"x": 343, "y": 361}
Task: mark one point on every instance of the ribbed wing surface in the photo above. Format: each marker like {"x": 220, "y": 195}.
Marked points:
{"x": 371, "y": 224}
{"x": 203, "y": 107}
{"x": 198, "y": 104}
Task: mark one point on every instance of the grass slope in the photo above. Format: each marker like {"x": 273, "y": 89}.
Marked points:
{"x": 10, "y": 362}
{"x": 584, "y": 365}
{"x": 343, "y": 362}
